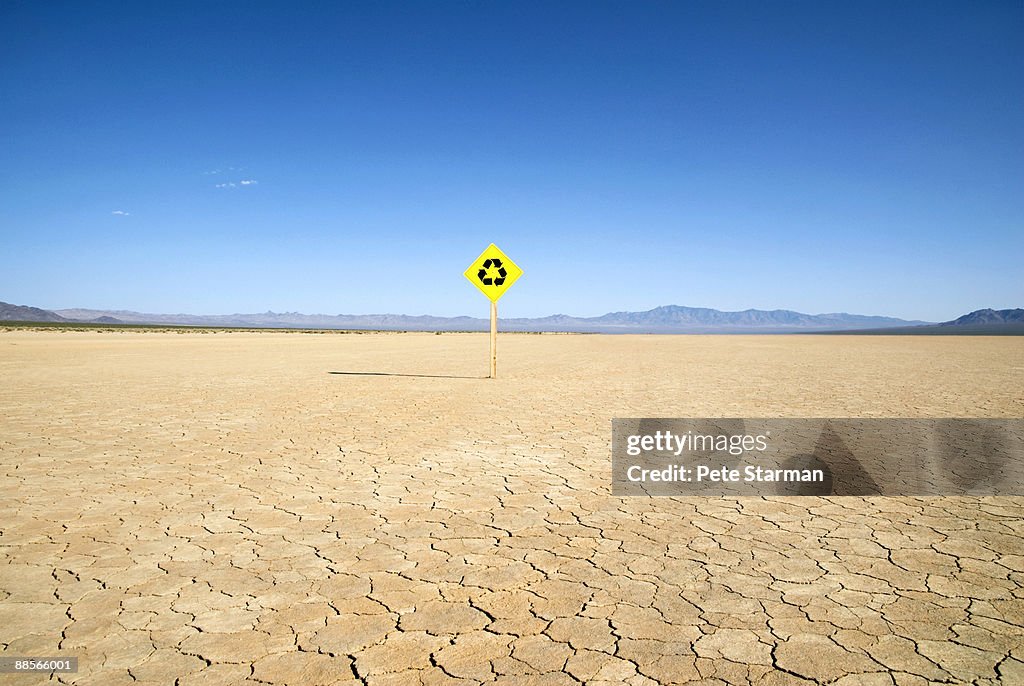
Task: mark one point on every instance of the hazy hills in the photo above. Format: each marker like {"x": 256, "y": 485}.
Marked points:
{"x": 665, "y": 319}
{"x": 700, "y": 319}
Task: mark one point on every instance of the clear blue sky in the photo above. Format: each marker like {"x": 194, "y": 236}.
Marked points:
{"x": 820, "y": 156}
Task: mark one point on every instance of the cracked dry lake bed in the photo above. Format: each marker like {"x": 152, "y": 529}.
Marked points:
{"x": 289, "y": 508}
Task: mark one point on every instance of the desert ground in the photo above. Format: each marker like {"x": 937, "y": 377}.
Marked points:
{"x": 289, "y": 508}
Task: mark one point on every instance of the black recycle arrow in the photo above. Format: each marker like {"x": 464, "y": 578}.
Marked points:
{"x": 488, "y": 281}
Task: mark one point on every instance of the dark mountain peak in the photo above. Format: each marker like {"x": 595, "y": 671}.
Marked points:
{"x": 24, "y": 313}
{"x": 990, "y": 316}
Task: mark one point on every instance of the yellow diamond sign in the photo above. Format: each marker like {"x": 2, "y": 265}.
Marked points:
{"x": 493, "y": 272}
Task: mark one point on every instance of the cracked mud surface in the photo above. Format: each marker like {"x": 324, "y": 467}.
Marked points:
{"x": 221, "y": 509}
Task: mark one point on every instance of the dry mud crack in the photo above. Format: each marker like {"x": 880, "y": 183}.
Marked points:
{"x": 220, "y": 509}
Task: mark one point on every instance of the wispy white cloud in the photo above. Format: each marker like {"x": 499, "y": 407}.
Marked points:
{"x": 121, "y": 213}
{"x": 233, "y": 184}
{"x": 221, "y": 171}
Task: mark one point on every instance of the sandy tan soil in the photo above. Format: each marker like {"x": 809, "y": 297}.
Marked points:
{"x": 309, "y": 509}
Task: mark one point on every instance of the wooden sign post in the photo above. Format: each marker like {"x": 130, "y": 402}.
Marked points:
{"x": 493, "y": 273}
{"x": 494, "y": 339}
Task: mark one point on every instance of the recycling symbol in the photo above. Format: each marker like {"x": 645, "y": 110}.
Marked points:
{"x": 492, "y": 272}
{"x": 492, "y": 263}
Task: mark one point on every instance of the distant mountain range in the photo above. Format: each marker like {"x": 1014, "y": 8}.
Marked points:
{"x": 665, "y": 319}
